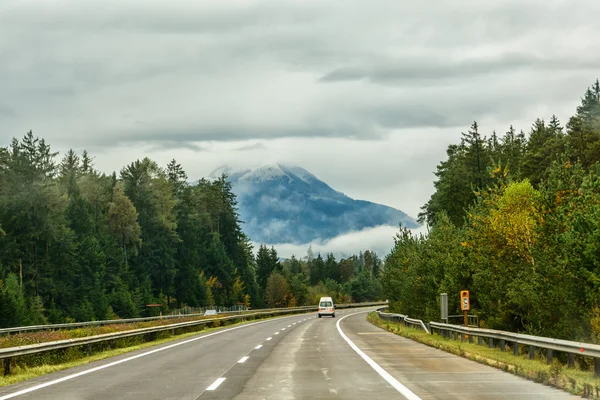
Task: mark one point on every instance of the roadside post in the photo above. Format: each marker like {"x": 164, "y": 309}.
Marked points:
{"x": 155, "y": 305}
{"x": 444, "y": 307}
{"x": 465, "y": 305}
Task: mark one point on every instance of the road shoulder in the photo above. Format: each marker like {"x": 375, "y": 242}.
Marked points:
{"x": 431, "y": 373}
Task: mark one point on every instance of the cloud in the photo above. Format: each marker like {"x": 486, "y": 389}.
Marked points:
{"x": 379, "y": 239}
{"x": 6, "y": 111}
{"x": 435, "y": 69}
{"x": 211, "y": 71}
{"x": 365, "y": 95}
{"x": 253, "y": 146}
{"x": 174, "y": 145}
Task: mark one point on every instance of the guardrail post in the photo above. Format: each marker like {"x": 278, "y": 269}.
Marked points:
{"x": 531, "y": 352}
{"x": 597, "y": 367}
{"x": 515, "y": 348}
{"x": 89, "y": 350}
{"x": 6, "y": 366}
{"x": 502, "y": 345}
{"x": 479, "y": 340}
{"x": 470, "y": 338}
{"x": 491, "y": 343}
{"x": 571, "y": 360}
{"x": 462, "y": 337}
{"x": 549, "y": 356}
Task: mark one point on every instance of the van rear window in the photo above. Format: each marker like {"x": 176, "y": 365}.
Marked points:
{"x": 326, "y": 304}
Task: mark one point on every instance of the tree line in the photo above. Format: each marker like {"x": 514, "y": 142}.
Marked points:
{"x": 77, "y": 244}
{"x": 515, "y": 219}
{"x": 301, "y": 282}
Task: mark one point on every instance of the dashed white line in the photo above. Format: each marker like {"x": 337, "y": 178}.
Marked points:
{"x": 258, "y": 347}
{"x": 124, "y": 360}
{"x": 382, "y": 372}
{"x": 215, "y": 384}
{"x": 283, "y": 329}
{"x": 277, "y": 333}
{"x": 243, "y": 359}
{"x": 269, "y": 338}
{"x": 289, "y": 326}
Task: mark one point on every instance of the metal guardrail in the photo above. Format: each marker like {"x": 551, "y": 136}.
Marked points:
{"x": 417, "y": 322}
{"x": 515, "y": 340}
{"x": 402, "y": 318}
{"x": 8, "y": 353}
{"x": 550, "y": 345}
{"x": 75, "y": 325}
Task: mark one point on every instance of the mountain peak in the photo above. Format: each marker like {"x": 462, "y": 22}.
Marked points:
{"x": 265, "y": 172}
{"x": 284, "y": 203}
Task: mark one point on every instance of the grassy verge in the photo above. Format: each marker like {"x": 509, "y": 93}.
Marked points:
{"x": 574, "y": 380}
{"x": 35, "y": 365}
{"x": 25, "y": 338}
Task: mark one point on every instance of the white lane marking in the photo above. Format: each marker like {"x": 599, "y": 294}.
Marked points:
{"x": 243, "y": 359}
{"x": 258, "y": 347}
{"x": 283, "y": 329}
{"x": 289, "y": 326}
{"x": 382, "y": 372}
{"x": 269, "y": 338}
{"x": 215, "y": 384}
{"x": 277, "y": 333}
{"x": 89, "y": 371}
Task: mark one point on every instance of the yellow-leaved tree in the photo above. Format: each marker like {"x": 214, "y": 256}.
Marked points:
{"x": 512, "y": 223}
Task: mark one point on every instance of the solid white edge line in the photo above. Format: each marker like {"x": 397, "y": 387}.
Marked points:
{"x": 403, "y": 390}
{"x": 243, "y": 359}
{"x": 215, "y": 384}
{"x": 258, "y": 347}
{"x": 89, "y": 371}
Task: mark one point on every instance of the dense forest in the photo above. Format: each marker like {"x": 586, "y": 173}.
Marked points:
{"x": 77, "y": 244}
{"x": 515, "y": 219}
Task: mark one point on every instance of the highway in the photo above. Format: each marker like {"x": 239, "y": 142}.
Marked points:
{"x": 294, "y": 357}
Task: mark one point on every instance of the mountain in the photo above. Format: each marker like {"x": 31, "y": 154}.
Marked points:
{"x": 287, "y": 204}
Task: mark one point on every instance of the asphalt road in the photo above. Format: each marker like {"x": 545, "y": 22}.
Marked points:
{"x": 297, "y": 357}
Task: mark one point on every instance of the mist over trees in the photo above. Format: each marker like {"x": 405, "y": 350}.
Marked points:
{"x": 77, "y": 244}
{"x": 515, "y": 219}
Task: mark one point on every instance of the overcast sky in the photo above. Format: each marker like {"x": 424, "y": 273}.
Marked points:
{"x": 364, "y": 94}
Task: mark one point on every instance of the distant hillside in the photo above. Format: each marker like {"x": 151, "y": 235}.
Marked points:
{"x": 287, "y": 204}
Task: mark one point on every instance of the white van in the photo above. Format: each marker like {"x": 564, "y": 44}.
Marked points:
{"x": 326, "y": 307}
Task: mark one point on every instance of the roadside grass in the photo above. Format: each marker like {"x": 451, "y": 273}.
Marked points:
{"x": 25, "y": 338}
{"x": 578, "y": 380}
{"x": 35, "y": 365}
